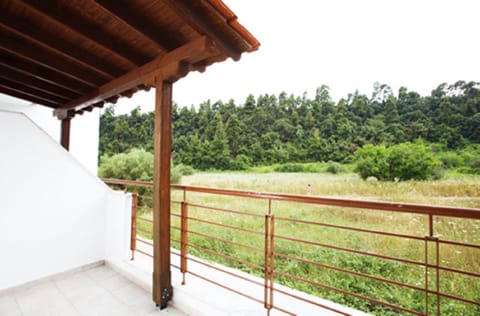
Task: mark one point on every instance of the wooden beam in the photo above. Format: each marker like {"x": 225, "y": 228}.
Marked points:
{"x": 31, "y": 91}
{"x": 162, "y": 284}
{"x": 32, "y": 82}
{"x": 65, "y": 133}
{"x": 42, "y": 73}
{"x": 63, "y": 16}
{"x": 199, "y": 22}
{"x": 125, "y": 12}
{"x": 44, "y": 57}
{"x": 35, "y": 34}
{"x": 28, "y": 97}
{"x": 171, "y": 66}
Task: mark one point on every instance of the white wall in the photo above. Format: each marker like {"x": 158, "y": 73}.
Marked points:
{"x": 54, "y": 214}
{"x": 84, "y": 133}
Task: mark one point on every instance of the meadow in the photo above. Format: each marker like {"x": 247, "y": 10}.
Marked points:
{"x": 454, "y": 190}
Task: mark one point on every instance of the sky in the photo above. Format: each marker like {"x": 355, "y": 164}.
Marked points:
{"x": 347, "y": 45}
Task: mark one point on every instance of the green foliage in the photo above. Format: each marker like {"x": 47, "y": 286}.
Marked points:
{"x": 241, "y": 162}
{"x": 136, "y": 164}
{"x": 334, "y": 168}
{"x": 450, "y": 159}
{"x": 279, "y": 129}
{"x": 175, "y": 175}
{"x": 290, "y": 167}
{"x": 185, "y": 170}
{"x": 399, "y": 162}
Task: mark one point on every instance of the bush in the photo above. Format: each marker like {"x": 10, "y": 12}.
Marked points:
{"x": 400, "y": 162}
{"x": 334, "y": 168}
{"x": 450, "y": 159}
{"x": 475, "y": 165}
{"x": 136, "y": 164}
{"x": 185, "y": 170}
{"x": 371, "y": 162}
{"x": 175, "y": 175}
{"x": 241, "y": 162}
{"x": 290, "y": 167}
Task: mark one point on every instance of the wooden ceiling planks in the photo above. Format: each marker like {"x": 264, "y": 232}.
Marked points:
{"x": 65, "y": 54}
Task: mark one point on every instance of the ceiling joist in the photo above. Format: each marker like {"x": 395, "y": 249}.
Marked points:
{"x": 27, "y": 96}
{"x": 161, "y": 38}
{"x": 42, "y": 57}
{"x": 201, "y": 24}
{"x": 29, "y": 81}
{"x": 61, "y": 15}
{"x": 42, "y": 73}
{"x": 50, "y": 42}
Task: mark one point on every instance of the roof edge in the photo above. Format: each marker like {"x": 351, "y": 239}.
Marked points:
{"x": 232, "y": 20}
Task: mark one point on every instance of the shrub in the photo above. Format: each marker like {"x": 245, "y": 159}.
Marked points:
{"x": 334, "y": 168}
{"x": 450, "y": 159}
{"x": 185, "y": 170}
{"x": 290, "y": 167}
{"x": 371, "y": 162}
{"x": 475, "y": 165}
{"x": 175, "y": 175}
{"x": 241, "y": 162}
{"x": 400, "y": 162}
{"x": 136, "y": 164}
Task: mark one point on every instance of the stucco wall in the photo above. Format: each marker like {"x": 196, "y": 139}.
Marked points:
{"x": 54, "y": 214}
{"x": 84, "y": 133}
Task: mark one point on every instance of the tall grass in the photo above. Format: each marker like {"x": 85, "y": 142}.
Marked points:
{"x": 461, "y": 192}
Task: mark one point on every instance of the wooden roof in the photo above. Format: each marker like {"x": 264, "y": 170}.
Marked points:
{"x": 74, "y": 55}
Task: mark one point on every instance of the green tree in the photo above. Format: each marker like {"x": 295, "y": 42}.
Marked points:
{"x": 219, "y": 149}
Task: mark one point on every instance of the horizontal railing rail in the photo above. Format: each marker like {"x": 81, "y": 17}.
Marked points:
{"x": 371, "y": 255}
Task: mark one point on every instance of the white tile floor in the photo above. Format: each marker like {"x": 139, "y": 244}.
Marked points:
{"x": 92, "y": 291}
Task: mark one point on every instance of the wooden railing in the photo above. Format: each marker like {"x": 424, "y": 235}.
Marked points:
{"x": 380, "y": 257}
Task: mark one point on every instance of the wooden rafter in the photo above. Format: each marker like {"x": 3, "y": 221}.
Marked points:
{"x": 201, "y": 24}
{"x": 49, "y": 41}
{"x": 162, "y": 38}
{"x": 42, "y": 73}
{"x": 26, "y": 96}
{"x": 43, "y": 57}
{"x": 47, "y": 96}
{"x": 31, "y": 82}
{"x": 50, "y": 11}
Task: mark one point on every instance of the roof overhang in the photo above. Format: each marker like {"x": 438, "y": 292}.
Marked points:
{"x": 75, "y": 55}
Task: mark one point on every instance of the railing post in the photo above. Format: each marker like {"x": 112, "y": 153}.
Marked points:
{"x": 266, "y": 268}
{"x": 272, "y": 258}
{"x": 184, "y": 240}
{"x": 432, "y": 238}
{"x": 269, "y": 256}
{"x": 133, "y": 231}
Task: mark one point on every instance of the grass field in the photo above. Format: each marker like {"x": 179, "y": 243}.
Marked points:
{"x": 455, "y": 190}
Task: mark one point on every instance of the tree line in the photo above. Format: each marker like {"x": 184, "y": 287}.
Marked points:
{"x": 273, "y": 129}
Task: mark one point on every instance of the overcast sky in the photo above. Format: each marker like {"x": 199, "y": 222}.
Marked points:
{"x": 344, "y": 44}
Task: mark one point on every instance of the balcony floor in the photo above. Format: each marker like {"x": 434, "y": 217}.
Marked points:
{"x": 97, "y": 290}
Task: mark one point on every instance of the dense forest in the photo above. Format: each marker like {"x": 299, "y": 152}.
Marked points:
{"x": 286, "y": 128}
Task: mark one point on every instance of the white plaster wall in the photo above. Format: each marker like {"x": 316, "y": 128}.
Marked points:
{"x": 84, "y": 139}
{"x": 117, "y": 230}
{"x": 54, "y": 214}
{"x": 84, "y": 130}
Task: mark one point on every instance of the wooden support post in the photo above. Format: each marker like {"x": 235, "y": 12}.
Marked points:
{"x": 162, "y": 285}
{"x": 65, "y": 133}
